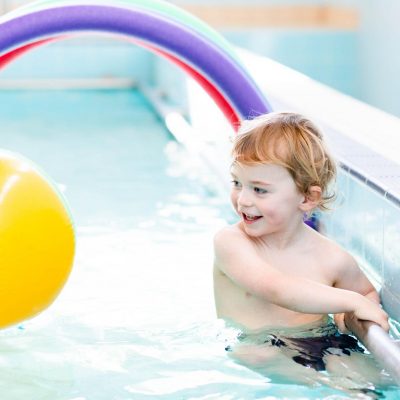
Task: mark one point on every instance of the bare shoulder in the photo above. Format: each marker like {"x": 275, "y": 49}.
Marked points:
{"x": 228, "y": 239}
{"x": 338, "y": 259}
{"x": 342, "y": 267}
{"x": 228, "y": 232}
{"x": 232, "y": 247}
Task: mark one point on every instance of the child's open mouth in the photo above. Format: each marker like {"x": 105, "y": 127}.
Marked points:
{"x": 250, "y": 219}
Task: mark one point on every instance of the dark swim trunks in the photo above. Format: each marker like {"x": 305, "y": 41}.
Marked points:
{"x": 309, "y": 346}
{"x": 313, "y": 349}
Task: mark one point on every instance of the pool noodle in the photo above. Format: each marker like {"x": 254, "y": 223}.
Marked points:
{"x": 221, "y": 102}
{"x": 163, "y": 8}
{"x": 262, "y": 105}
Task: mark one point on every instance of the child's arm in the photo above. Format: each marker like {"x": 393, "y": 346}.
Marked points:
{"x": 342, "y": 319}
{"x": 236, "y": 258}
{"x": 351, "y": 277}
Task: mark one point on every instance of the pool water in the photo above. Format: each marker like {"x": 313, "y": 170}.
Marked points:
{"x": 136, "y": 319}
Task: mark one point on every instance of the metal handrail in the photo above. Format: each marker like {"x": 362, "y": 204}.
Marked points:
{"x": 385, "y": 350}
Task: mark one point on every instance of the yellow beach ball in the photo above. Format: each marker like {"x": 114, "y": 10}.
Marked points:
{"x": 37, "y": 240}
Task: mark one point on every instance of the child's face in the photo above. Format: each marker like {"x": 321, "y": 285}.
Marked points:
{"x": 265, "y": 197}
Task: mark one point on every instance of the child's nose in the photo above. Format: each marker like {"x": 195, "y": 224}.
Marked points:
{"x": 244, "y": 199}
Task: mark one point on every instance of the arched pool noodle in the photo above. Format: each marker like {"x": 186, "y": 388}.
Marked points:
{"x": 160, "y": 7}
{"x": 163, "y": 8}
{"x": 175, "y": 40}
{"x": 221, "y": 102}
{"x": 7, "y": 58}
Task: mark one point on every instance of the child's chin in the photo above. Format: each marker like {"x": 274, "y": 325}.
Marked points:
{"x": 252, "y": 231}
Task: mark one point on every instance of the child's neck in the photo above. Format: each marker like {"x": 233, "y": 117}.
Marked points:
{"x": 295, "y": 236}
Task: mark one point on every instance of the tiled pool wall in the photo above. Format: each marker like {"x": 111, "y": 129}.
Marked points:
{"x": 325, "y": 55}
{"x": 366, "y": 223}
{"x": 99, "y": 58}
{"x": 83, "y": 58}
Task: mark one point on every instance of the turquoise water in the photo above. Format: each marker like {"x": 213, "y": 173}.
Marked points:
{"x": 136, "y": 318}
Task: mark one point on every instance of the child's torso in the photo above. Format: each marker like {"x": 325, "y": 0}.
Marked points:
{"x": 234, "y": 303}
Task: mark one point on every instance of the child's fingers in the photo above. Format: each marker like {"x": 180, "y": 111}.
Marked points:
{"x": 385, "y": 323}
{"x": 339, "y": 321}
{"x": 383, "y": 320}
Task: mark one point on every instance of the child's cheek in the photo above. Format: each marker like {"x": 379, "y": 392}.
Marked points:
{"x": 273, "y": 218}
{"x": 234, "y": 201}
{"x": 274, "y": 215}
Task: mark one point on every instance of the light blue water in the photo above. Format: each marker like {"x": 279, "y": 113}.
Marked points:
{"x": 136, "y": 318}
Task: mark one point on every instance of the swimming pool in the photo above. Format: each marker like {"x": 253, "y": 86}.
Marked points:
{"x": 136, "y": 318}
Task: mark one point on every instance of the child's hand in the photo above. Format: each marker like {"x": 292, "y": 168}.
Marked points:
{"x": 368, "y": 310}
{"x": 352, "y": 323}
{"x": 340, "y": 322}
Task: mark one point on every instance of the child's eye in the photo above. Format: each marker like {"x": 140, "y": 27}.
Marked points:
{"x": 235, "y": 183}
{"x": 260, "y": 191}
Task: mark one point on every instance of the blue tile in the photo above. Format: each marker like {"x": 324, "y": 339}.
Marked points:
{"x": 391, "y": 268}
{"x": 358, "y": 223}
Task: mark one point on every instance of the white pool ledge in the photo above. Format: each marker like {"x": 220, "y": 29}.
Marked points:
{"x": 288, "y": 89}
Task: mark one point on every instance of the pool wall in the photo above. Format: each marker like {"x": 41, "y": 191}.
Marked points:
{"x": 368, "y": 224}
{"x": 78, "y": 58}
{"x": 332, "y": 63}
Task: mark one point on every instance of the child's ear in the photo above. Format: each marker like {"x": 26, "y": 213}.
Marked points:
{"x": 311, "y": 199}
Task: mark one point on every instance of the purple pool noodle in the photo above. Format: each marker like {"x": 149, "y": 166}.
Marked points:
{"x": 173, "y": 38}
